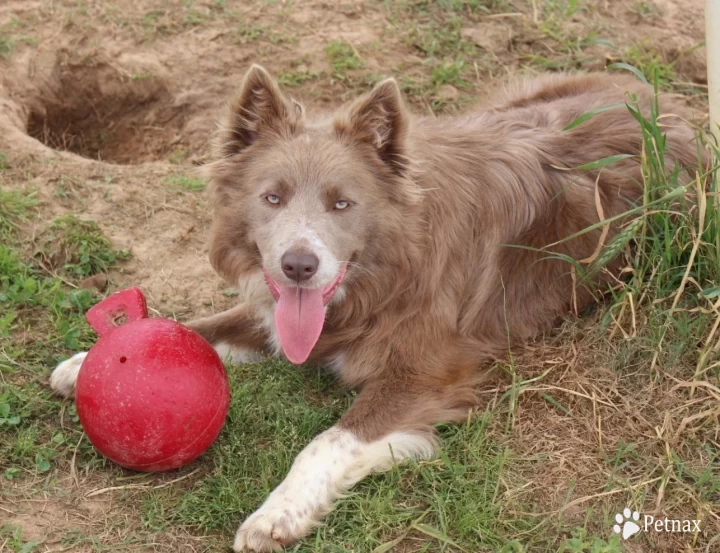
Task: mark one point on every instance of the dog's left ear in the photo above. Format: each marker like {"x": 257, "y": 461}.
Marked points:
{"x": 379, "y": 119}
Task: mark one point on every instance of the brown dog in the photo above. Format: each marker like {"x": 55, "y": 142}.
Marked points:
{"x": 381, "y": 245}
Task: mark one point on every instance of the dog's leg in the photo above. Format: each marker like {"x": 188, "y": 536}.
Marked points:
{"x": 236, "y": 334}
{"x": 389, "y": 422}
{"x": 62, "y": 379}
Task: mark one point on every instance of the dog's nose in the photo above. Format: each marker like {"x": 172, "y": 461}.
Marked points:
{"x": 299, "y": 266}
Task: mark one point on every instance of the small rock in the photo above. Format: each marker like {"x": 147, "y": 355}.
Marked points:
{"x": 96, "y": 282}
{"x": 447, "y": 93}
{"x": 302, "y": 68}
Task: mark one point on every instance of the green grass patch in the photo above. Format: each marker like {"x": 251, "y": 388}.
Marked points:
{"x": 42, "y": 320}
{"x": 192, "y": 184}
{"x": 12, "y": 34}
{"x": 15, "y": 207}
{"x": 647, "y": 9}
{"x": 449, "y": 72}
{"x": 76, "y": 248}
{"x": 295, "y": 77}
{"x": 12, "y": 538}
{"x": 343, "y": 57}
{"x": 277, "y": 409}
{"x": 178, "y": 156}
{"x": 651, "y": 63}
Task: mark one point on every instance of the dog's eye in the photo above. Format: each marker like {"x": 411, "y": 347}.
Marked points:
{"x": 273, "y": 199}
{"x": 341, "y": 204}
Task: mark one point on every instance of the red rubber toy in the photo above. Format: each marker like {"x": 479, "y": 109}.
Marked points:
{"x": 152, "y": 395}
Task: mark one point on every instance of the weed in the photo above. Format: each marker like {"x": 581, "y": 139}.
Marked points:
{"x": 194, "y": 18}
{"x": 249, "y": 33}
{"x": 14, "y": 209}
{"x": 647, "y": 9}
{"x": 177, "y": 157}
{"x": 6, "y": 47}
{"x": 649, "y": 62}
{"x": 343, "y": 57}
{"x": 193, "y": 184}
{"x": 10, "y": 36}
{"x": 155, "y": 22}
{"x": 449, "y": 72}
{"x": 455, "y": 7}
{"x": 435, "y": 30}
{"x": 7, "y": 418}
{"x": 440, "y": 39}
{"x": 45, "y": 321}
{"x": 294, "y": 77}
{"x": 12, "y": 537}
{"x": 580, "y": 542}
{"x": 76, "y": 248}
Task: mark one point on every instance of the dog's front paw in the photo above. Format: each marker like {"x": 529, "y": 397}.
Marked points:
{"x": 62, "y": 379}
{"x": 275, "y": 525}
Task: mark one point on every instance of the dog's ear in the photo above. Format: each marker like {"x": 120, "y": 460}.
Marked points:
{"x": 258, "y": 108}
{"x": 379, "y": 118}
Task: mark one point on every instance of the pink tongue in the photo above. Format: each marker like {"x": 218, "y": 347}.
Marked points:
{"x": 299, "y": 318}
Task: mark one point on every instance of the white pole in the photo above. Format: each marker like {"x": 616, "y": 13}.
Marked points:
{"x": 712, "y": 45}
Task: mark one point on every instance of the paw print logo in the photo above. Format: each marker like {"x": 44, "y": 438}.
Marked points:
{"x": 627, "y": 523}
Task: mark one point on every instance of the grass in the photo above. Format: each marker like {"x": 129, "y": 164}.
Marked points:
{"x": 434, "y": 32}
{"x": 276, "y": 410}
{"x": 38, "y": 308}
{"x": 343, "y": 58}
{"x": 191, "y": 184}
{"x": 295, "y": 77}
{"x": 647, "y": 9}
{"x": 42, "y": 318}
{"x": 11, "y": 34}
{"x": 178, "y": 156}
{"x": 77, "y": 248}
{"x": 15, "y": 208}
{"x": 650, "y": 62}
{"x": 449, "y": 72}
{"x": 12, "y": 537}
{"x": 666, "y": 312}
{"x": 434, "y": 29}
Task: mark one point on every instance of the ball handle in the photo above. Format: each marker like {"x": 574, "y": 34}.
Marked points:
{"x": 122, "y": 307}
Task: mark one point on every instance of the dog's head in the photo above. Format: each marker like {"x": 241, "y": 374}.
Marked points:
{"x": 303, "y": 200}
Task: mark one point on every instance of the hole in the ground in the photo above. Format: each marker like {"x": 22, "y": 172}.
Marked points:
{"x": 100, "y": 113}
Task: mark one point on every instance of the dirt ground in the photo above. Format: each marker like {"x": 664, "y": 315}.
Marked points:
{"x": 129, "y": 84}
{"x": 107, "y": 110}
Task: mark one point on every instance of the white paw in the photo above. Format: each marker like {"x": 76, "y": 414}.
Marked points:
{"x": 278, "y": 523}
{"x": 237, "y": 356}
{"x": 62, "y": 379}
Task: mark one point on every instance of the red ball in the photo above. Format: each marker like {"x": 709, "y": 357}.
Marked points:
{"x": 152, "y": 395}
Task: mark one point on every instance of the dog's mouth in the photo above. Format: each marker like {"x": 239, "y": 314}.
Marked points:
{"x": 300, "y": 314}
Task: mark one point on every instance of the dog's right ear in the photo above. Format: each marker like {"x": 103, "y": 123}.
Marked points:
{"x": 379, "y": 119}
{"x": 259, "y": 108}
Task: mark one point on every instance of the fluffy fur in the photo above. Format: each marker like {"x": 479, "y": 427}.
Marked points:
{"x": 436, "y": 286}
